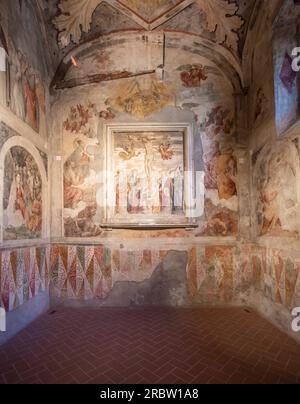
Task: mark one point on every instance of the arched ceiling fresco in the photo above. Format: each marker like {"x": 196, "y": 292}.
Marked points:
{"x": 150, "y": 10}
{"x": 71, "y": 22}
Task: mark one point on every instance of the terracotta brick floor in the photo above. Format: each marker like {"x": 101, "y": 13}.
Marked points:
{"x": 150, "y": 346}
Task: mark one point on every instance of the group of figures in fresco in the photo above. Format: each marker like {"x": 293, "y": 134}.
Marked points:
{"x": 149, "y": 173}
{"x": 24, "y": 93}
{"x": 22, "y": 202}
{"x": 148, "y": 169}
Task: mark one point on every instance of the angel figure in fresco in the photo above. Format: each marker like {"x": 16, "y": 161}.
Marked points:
{"x": 193, "y": 75}
{"x": 166, "y": 152}
{"x": 129, "y": 152}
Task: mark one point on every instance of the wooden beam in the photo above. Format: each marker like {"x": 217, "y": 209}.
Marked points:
{"x": 98, "y": 78}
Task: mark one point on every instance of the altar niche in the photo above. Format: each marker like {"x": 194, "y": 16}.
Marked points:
{"x": 150, "y": 177}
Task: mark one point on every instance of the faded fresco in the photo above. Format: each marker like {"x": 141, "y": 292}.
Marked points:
{"x": 148, "y": 169}
{"x": 261, "y": 110}
{"x": 81, "y": 179}
{"x": 192, "y": 75}
{"x": 24, "y": 273}
{"x": 221, "y": 204}
{"x": 80, "y": 189}
{"x": 183, "y": 87}
{"x": 214, "y": 274}
{"x": 150, "y": 9}
{"x": 141, "y": 97}
{"x": 22, "y": 202}
{"x": 27, "y": 91}
{"x": 286, "y": 85}
{"x": 275, "y": 177}
{"x": 277, "y": 275}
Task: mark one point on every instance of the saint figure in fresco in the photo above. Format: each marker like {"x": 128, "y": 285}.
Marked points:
{"x": 270, "y": 211}
{"x": 20, "y": 203}
{"x": 30, "y": 97}
{"x": 72, "y": 179}
{"x": 134, "y": 194}
{"x": 178, "y": 189}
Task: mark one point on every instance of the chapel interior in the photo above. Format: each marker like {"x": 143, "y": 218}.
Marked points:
{"x": 149, "y": 192}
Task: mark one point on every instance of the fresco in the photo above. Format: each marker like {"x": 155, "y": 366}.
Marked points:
{"x": 285, "y": 78}
{"x": 79, "y": 118}
{"x": 275, "y": 179}
{"x": 192, "y": 75}
{"x": 191, "y": 88}
{"x": 141, "y": 97}
{"x": 221, "y": 210}
{"x": 27, "y": 91}
{"x": 277, "y": 275}
{"x": 261, "y": 108}
{"x": 24, "y": 273}
{"x": 22, "y": 200}
{"x": 149, "y": 175}
{"x": 83, "y": 119}
{"x": 80, "y": 189}
{"x": 80, "y": 272}
{"x": 150, "y": 9}
{"x": 218, "y": 20}
{"x": 216, "y": 274}
{"x": 6, "y": 133}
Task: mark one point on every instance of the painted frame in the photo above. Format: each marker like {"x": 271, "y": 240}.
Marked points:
{"x": 112, "y": 219}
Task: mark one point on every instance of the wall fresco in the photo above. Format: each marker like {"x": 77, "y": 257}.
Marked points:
{"x": 141, "y": 97}
{"x": 221, "y": 207}
{"x": 285, "y": 78}
{"x": 275, "y": 177}
{"x": 27, "y": 91}
{"x": 22, "y": 201}
{"x": 150, "y": 9}
{"x": 24, "y": 273}
{"x": 277, "y": 275}
{"x": 216, "y": 274}
{"x": 80, "y": 190}
{"x": 184, "y": 86}
{"x": 149, "y": 175}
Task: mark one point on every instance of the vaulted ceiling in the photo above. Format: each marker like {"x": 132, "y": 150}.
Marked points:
{"x": 68, "y": 23}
